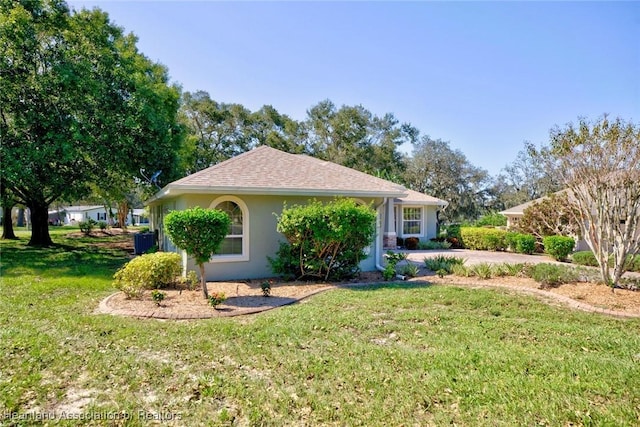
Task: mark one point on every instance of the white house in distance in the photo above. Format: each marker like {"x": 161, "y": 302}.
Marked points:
{"x": 72, "y": 215}
{"x": 254, "y": 187}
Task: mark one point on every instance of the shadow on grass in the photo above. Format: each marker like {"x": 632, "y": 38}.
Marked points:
{"x": 64, "y": 258}
{"x": 389, "y": 285}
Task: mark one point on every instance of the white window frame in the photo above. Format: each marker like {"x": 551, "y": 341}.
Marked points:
{"x": 402, "y": 222}
{"x": 244, "y": 256}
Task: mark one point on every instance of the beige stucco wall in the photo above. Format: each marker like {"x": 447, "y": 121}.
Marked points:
{"x": 263, "y": 236}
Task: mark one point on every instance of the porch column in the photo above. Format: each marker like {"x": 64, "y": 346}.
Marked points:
{"x": 389, "y": 235}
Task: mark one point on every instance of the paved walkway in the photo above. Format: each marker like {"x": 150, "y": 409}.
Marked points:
{"x": 478, "y": 257}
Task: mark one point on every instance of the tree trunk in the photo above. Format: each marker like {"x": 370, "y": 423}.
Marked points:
{"x": 7, "y": 223}
{"x": 39, "y": 225}
{"x": 203, "y": 282}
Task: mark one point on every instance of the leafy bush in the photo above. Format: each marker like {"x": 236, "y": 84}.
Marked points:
{"x": 479, "y": 238}
{"x": 190, "y": 281}
{"x": 493, "y": 219}
{"x": 102, "y": 225}
{"x": 324, "y": 241}
{"x": 148, "y": 272}
{"x": 87, "y": 226}
{"x": 559, "y": 247}
{"x": 434, "y": 244}
{"x": 521, "y": 243}
{"x": 158, "y": 296}
{"x": 588, "y": 258}
{"x": 411, "y": 243}
{"x": 633, "y": 263}
{"x": 266, "y": 288}
{"x": 389, "y": 272}
{"x": 550, "y": 275}
{"x": 217, "y": 298}
{"x": 584, "y": 258}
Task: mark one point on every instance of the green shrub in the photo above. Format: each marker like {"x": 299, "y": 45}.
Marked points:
{"x": 389, "y": 272}
{"x": 493, "y": 219}
{"x": 87, "y": 226}
{"x": 521, "y": 243}
{"x": 460, "y": 270}
{"x": 433, "y": 244}
{"x": 550, "y": 275}
{"x": 411, "y": 243}
{"x": 158, "y": 296}
{"x": 266, "y": 288}
{"x": 633, "y": 263}
{"x": 150, "y": 271}
{"x": 190, "y": 281}
{"x": 102, "y": 225}
{"x": 559, "y": 247}
{"x": 482, "y": 271}
{"x": 584, "y": 258}
{"x": 324, "y": 241}
{"x": 443, "y": 262}
{"x": 485, "y": 239}
{"x": 217, "y": 298}
{"x": 410, "y": 270}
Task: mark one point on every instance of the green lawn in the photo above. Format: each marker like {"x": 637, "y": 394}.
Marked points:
{"x": 390, "y": 354}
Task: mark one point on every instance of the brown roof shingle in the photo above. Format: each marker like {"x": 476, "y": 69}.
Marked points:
{"x": 265, "y": 170}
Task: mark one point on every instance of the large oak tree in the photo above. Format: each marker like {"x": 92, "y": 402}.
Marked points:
{"x": 78, "y": 105}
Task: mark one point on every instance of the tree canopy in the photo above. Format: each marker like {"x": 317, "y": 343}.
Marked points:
{"x": 78, "y": 105}
{"x": 438, "y": 170}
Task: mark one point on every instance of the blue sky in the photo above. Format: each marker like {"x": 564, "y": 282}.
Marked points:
{"x": 485, "y": 76}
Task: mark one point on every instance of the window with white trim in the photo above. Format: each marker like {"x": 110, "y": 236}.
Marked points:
{"x": 232, "y": 244}
{"x": 235, "y": 245}
{"x": 411, "y": 221}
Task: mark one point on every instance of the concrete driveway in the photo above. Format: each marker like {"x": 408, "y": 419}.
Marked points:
{"x": 478, "y": 257}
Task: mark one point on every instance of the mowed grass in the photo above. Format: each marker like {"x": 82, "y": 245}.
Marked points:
{"x": 388, "y": 354}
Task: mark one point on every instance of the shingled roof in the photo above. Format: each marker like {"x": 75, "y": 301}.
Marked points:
{"x": 265, "y": 170}
{"x": 421, "y": 199}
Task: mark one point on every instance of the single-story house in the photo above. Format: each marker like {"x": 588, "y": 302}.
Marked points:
{"x": 253, "y": 188}
{"x": 515, "y": 214}
{"x": 72, "y": 215}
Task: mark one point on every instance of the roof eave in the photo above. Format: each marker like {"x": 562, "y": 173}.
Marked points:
{"x": 172, "y": 191}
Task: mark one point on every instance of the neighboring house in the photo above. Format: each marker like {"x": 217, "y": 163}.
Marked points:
{"x": 515, "y": 214}
{"x": 72, "y": 215}
{"x": 254, "y": 187}
{"x": 139, "y": 216}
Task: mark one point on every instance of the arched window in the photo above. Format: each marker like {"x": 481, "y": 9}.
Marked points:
{"x": 235, "y": 246}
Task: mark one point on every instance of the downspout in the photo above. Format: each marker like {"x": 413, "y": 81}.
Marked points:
{"x": 378, "y": 246}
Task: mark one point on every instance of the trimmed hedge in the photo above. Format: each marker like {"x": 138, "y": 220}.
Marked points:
{"x": 521, "y": 243}
{"x": 483, "y": 239}
{"x": 559, "y": 247}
